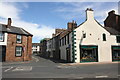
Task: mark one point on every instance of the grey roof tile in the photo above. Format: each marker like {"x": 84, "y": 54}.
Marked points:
{"x": 112, "y": 31}
{"x": 15, "y": 30}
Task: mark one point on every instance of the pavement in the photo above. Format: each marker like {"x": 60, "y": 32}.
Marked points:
{"x": 44, "y": 68}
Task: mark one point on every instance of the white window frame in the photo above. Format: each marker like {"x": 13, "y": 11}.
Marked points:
{"x": 19, "y": 37}
{"x": 18, "y": 51}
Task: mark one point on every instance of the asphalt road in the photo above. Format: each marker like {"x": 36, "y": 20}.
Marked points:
{"x": 44, "y": 68}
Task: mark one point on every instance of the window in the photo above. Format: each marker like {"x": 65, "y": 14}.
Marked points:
{"x": 68, "y": 38}
{"x": 84, "y": 35}
{"x": 65, "y": 40}
{"x": 62, "y": 41}
{"x": 1, "y": 36}
{"x": 104, "y": 37}
{"x": 118, "y": 39}
{"x": 18, "y": 51}
{"x": 19, "y": 39}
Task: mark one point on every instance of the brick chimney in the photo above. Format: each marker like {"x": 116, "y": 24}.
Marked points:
{"x": 111, "y": 12}
{"x": 9, "y": 23}
{"x": 58, "y": 31}
{"x": 89, "y": 14}
{"x": 53, "y": 35}
{"x": 71, "y": 25}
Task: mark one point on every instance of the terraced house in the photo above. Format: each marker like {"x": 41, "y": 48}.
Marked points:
{"x": 15, "y": 43}
{"x": 89, "y": 42}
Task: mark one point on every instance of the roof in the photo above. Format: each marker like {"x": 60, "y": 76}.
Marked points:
{"x": 14, "y": 30}
{"x": 112, "y": 31}
{"x": 45, "y": 39}
{"x": 36, "y": 44}
{"x": 64, "y": 33}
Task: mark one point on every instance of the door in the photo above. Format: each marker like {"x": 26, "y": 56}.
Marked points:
{"x": 68, "y": 55}
{"x": 2, "y": 53}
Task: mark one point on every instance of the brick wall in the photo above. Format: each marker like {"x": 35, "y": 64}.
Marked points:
{"x": 113, "y": 21}
{"x": 11, "y": 46}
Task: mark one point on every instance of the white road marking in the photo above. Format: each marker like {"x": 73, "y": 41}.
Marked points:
{"x": 101, "y": 76}
{"x": 79, "y": 77}
{"x": 35, "y": 59}
{"x": 118, "y": 75}
{"x": 23, "y": 68}
{"x": 8, "y": 69}
{"x": 66, "y": 67}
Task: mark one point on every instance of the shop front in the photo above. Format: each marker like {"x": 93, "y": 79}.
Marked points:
{"x": 115, "y": 53}
{"x": 88, "y": 53}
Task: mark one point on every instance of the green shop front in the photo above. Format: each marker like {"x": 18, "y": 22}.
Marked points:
{"x": 115, "y": 53}
{"x": 88, "y": 53}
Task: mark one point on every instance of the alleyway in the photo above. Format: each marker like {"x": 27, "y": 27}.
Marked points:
{"x": 44, "y": 68}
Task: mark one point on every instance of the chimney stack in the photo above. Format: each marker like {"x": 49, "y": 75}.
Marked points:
{"x": 111, "y": 12}
{"x": 71, "y": 25}
{"x": 53, "y": 35}
{"x": 9, "y": 23}
{"x": 89, "y": 14}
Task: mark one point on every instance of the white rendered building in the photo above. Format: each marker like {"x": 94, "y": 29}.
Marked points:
{"x": 91, "y": 42}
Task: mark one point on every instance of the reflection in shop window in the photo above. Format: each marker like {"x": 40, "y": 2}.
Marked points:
{"x": 89, "y": 54}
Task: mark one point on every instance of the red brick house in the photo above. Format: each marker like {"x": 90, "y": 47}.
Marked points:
{"x": 15, "y": 43}
{"x": 113, "y": 20}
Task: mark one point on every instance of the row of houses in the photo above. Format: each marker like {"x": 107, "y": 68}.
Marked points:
{"x": 15, "y": 43}
{"x": 87, "y": 42}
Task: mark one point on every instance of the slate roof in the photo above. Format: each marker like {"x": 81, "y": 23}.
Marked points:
{"x": 36, "y": 44}
{"x": 14, "y": 30}
{"x": 112, "y": 31}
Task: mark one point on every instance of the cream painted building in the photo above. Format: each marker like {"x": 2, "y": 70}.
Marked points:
{"x": 91, "y": 42}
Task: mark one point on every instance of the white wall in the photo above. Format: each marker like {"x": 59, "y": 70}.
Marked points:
{"x": 94, "y": 33}
{"x": 63, "y": 48}
{"x": 96, "y": 38}
{"x": 36, "y": 48}
{"x": 5, "y": 40}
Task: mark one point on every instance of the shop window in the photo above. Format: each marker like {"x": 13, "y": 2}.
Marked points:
{"x": 19, "y": 39}
{"x": 118, "y": 39}
{"x": 18, "y": 51}
{"x": 89, "y": 54}
{"x": 1, "y": 37}
{"x": 104, "y": 37}
{"x": 115, "y": 53}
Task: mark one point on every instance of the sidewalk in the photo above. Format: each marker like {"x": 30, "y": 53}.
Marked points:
{"x": 89, "y": 63}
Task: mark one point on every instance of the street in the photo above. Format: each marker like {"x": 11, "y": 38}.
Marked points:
{"x": 45, "y": 68}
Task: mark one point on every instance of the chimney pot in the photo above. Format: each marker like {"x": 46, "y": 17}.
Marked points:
{"x": 9, "y": 23}
{"x": 111, "y": 12}
{"x": 89, "y": 14}
{"x": 71, "y": 25}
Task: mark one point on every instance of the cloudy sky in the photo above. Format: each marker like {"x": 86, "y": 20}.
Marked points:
{"x": 41, "y": 18}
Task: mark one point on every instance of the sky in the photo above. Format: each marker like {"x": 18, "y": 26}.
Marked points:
{"x": 42, "y": 18}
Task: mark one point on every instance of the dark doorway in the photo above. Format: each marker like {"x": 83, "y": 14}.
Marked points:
{"x": 115, "y": 53}
{"x": 68, "y": 55}
{"x": 2, "y": 53}
{"x": 88, "y": 54}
